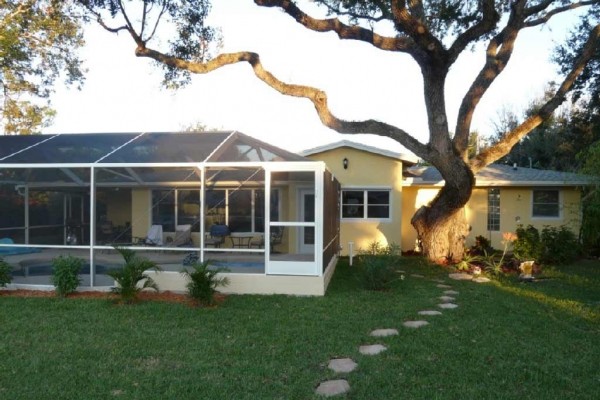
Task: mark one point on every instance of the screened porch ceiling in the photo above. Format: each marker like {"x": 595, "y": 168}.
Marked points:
{"x": 63, "y": 160}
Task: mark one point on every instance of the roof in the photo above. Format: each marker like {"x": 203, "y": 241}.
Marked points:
{"x": 502, "y": 175}
{"x": 145, "y": 147}
{"x": 406, "y": 157}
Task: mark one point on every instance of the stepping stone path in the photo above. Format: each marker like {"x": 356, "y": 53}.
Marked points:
{"x": 481, "y": 279}
{"x": 333, "y": 388}
{"x": 417, "y": 276}
{"x": 451, "y": 292}
{"x": 372, "y": 349}
{"x": 447, "y": 299}
{"x": 447, "y": 306}
{"x": 415, "y": 324}
{"x": 442, "y": 286}
{"x": 342, "y": 365}
{"x": 430, "y": 312}
{"x": 384, "y": 332}
{"x": 461, "y": 277}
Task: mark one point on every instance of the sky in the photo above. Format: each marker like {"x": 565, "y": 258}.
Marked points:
{"x": 123, "y": 93}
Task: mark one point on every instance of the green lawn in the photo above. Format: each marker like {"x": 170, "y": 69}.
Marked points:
{"x": 507, "y": 340}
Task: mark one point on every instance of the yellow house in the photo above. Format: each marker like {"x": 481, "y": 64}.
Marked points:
{"x": 381, "y": 190}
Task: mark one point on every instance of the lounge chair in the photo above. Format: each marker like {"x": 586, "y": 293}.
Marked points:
{"x": 153, "y": 238}
{"x": 217, "y": 235}
{"x": 183, "y": 236}
{"x": 13, "y": 250}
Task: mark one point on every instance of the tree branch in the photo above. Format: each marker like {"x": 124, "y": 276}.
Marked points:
{"x": 498, "y": 53}
{"x": 400, "y": 44}
{"x": 546, "y": 17}
{"x": 488, "y": 22}
{"x": 316, "y": 96}
{"x": 503, "y": 147}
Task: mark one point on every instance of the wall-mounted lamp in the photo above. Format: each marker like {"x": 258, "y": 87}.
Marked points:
{"x": 345, "y": 162}
{"x": 518, "y": 220}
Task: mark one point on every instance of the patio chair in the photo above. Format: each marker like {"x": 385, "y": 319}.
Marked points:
{"x": 183, "y": 236}
{"x": 153, "y": 238}
{"x": 276, "y": 238}
{"x": 217, "y": 235}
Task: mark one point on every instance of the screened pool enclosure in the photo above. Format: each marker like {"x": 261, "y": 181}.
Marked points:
{"x": 270, "y": 217}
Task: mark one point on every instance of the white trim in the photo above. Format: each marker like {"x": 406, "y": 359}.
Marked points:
{"x": 407, "y": 157}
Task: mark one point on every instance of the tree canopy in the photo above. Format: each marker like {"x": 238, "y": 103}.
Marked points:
{"x": 38, "y": 45}
{"x": 433, "y": 33}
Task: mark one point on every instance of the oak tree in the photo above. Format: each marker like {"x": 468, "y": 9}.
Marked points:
{"x": 38, "y": 45}
{"x": 433, "y": 33}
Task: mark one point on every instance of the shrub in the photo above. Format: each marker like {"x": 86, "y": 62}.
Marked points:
{"x": 65, "y": 274}
{"x": 560, "y": 245}
{"x": 377, "y": 266}
{"x": 204, "y": 281}
{"x": 482, "y": 246}
{"x": 528, "y": 245}
{"x": 131, "y": 278}
{"x": 5, "y": 273}
{"x": 469, "y": 260}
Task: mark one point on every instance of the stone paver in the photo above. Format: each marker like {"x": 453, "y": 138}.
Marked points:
{"x": 384, "y": 332}
{"x": 481, "y": 279}
{"x": 415, "y": 324}
{"x": 417, "y": 276}
{"x": 430, "y": 312}
{"x": 447, "y": 299}
{"x": 451, "y": 292}
{"x": 461, "y": 276}
{"x": 438, "y": 281}
{"x": 372, "y": 349}
{"x": 447, "y": 306}
{"x": 333, "y": 388}
{"x": 342, "y": 365}
{"x": 442, "y": 286}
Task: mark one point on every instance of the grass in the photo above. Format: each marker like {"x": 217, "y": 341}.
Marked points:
{"x": 507, "y": 340}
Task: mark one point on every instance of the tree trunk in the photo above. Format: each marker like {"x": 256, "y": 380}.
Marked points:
{"x": 441, "y": 225}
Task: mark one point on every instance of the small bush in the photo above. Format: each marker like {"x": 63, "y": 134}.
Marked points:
{"x": 65, "y": 274}
{"x": 560, "y": 245}
{"x": 481, "y": 247}
{"x": 377, "y": 266}
{"x": 528, "y": 245}
{"x": 133, "y": 274}
{"x": 5, "y": 273}
{"x": 203, "y": 282}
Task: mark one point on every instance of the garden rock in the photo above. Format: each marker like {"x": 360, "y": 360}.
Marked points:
{"x": 447, "y": 306}
{"x": 447, "y": 299}
{"x": 333, "y": 388}
{"x": 461, "y": 276}
{"x": 430, "y": 312}
{"x": 415, "y": 324}
{"x": 384, "y": 332}
{"x": 342, "y": 365}
{"x": 372, "y": 349}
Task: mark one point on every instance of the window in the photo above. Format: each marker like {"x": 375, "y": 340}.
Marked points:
{"x": 493, "y": 217}
{"x": 241, "y": 209}
{"x": 366, "y": 204}
{"x": 546, "y": 203}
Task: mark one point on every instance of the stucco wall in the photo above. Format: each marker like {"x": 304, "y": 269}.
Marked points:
{"x": 367, "y": 170}
{"x": 515, "y": 209}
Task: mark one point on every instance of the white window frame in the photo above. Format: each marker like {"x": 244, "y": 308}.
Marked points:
{"x": 365, "y": 190}
{"x": 499, "y": 210}
{"x": 560, "y": 202}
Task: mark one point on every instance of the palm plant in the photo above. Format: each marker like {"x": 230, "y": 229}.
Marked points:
{"x": 204, "y": 281}
{"x": 132, "y": 279}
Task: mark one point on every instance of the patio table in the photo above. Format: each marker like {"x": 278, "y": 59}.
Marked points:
{"x": 241, "y": 239}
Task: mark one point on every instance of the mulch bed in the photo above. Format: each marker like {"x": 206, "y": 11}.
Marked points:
{"x": 166, "y": 296}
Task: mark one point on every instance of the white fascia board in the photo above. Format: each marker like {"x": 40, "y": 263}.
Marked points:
{"x": 359, "y": 146}
{"x": 421, "y": 183}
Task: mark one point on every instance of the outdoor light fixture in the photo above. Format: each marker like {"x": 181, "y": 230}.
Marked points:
{"x": 345, "y": 162}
